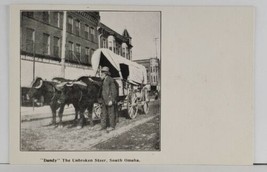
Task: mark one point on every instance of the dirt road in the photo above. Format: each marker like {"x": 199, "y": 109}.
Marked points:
{"x": 144, "y": 137}
{"x": 144, "y": 131}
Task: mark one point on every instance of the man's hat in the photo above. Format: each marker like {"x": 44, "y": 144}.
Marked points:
{"x": 105, "y": 69}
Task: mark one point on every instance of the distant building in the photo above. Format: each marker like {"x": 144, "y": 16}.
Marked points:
{"x": 41, "y": 43}
{"x": 120, "y": 44}
{"x": 152, "y": 66}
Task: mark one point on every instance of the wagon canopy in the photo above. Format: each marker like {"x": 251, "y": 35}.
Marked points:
{"x": 119, "y": 66}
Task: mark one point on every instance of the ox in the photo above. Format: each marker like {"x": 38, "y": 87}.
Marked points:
{"x": 85, "y": 91}
{"x": 48, "y": 90}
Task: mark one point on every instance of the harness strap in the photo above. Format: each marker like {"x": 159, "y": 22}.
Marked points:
{"x": 54, "y": 93}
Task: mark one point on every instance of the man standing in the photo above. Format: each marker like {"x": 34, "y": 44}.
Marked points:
{"x": 109, "y": 99}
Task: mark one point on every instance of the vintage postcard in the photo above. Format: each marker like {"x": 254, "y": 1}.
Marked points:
{"x": 131, "y": 84}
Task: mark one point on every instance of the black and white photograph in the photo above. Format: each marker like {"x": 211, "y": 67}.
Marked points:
{"x": 90, "y": 80}
{"x": 109, "y": 84}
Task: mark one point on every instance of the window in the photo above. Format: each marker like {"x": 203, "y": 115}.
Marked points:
{"x": 87, "y": 55}
{"x": 56, "y": 47}
{"x": 87, "y": 51}
{"x": 114, "y": 47}
{"x": 123, "y": 52}
{"x": 86, "y": 31}
{"x": 46, "y": 44}
{"x": 70, "y": 50}
{"x": 127, "y": 54}
{"x": 78, "y": 52}
{"x": 110, "y": 42}
{"x": 92, "y": 33}
{"x": 110, "y": 47}
{"x": 77, "y": 27}
{"x": 46, "y": 17}
{"x": 30, "y": 40}
{"x": 119, "y": 50}
{"x": 28, "y": 14}
{"x": 57, "y": 18}
{"x": 92, "y": 30}
{"x": 70, "y": 24}
{"x": 104, "y": 43}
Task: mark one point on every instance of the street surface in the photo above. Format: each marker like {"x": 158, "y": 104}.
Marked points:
{"x": 139, "y": 134}
{"x": 143, "y": 137}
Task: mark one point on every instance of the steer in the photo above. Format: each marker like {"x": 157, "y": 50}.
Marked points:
{"x": 84, "y": 91}
{"x": 50, "y": 93}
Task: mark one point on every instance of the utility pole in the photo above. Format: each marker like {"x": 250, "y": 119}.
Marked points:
{"x": 63, "y": 44}
{"x": 33, "y": 68}
{"x": 156, "y": 39}
{"x": 33, "y": 53}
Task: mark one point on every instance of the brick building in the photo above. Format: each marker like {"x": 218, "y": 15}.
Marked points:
{"x": 41, "y": 43}
{"x": 120, "y": 44}
{"x": 81, "y": 38}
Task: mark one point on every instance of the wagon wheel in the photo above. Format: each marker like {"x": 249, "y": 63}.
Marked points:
{"x": 132, "y": 106}
{"x": 146, "y": 108}
{"x": 145, "y": 99}
{"x": 97, "y": 110}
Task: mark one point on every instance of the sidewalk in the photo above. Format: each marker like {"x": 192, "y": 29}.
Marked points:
{"x": 44, "y": 112}
{"x": 30, "y": 113}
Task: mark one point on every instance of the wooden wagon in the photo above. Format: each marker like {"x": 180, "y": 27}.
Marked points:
{"x": 131, "y": 78}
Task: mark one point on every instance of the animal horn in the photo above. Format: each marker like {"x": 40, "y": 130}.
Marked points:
{"x": 39, "y": 86}
{"x": 69, "y": 84}
{"x": 81, "y": 83}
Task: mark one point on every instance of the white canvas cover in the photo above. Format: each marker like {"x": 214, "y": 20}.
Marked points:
{"x": 137, "y": 72}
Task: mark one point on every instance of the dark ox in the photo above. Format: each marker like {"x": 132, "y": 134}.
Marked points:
{"x": 85, "y": 91}
{"x": 48, "y": 90}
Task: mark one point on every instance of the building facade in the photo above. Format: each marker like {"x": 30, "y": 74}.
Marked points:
{"x": 152, "y": 66}
{"x": 81, "y": 38}
{"x": 44, "y": 53}
{"x": 41, "y": 44}
{"x": 120, "y": 44}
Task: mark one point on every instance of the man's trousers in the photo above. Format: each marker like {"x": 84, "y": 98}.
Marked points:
{"x": 108, "y": 117}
